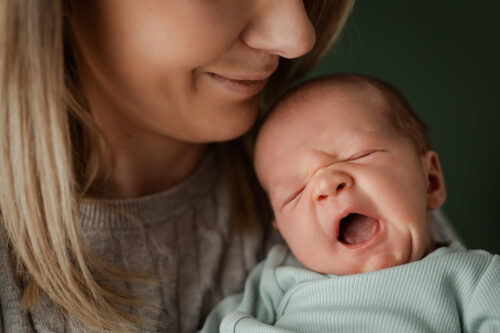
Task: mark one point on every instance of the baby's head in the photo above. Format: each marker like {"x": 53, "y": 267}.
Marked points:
{"x": 350, "y": 175}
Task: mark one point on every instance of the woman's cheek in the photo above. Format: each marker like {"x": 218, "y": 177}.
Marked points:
{"x": 194, "y": 36}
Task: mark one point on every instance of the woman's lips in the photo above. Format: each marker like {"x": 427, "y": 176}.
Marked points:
{"x": 240, "y": 86}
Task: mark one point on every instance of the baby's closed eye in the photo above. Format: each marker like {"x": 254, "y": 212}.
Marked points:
{"x": 294, "y": 196}
{"x": 363, "y": 154}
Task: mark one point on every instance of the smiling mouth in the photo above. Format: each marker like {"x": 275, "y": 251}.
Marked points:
{"x": 243, "y": 86}
{"x": 356, "y": 229}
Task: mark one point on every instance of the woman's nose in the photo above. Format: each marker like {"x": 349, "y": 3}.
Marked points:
{"x": 280, "y": 27}
{"x": 330, "y": 183}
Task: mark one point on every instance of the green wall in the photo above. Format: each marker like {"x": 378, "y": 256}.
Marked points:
{"x": 444, "y": 56}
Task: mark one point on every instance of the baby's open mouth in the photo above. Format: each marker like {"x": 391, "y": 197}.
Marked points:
{"x": 357, "y": 228}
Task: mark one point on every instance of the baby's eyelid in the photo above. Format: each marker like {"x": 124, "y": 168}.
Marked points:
{"x": 363, "y": 154}
{"x": 295, "y": 195}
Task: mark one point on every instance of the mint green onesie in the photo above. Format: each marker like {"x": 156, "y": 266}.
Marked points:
{"x": 450, "y": 290}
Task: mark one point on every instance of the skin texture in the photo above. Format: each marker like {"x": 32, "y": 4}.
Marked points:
{"x": 165, "y": 77}
{"x": 333, "y": 151}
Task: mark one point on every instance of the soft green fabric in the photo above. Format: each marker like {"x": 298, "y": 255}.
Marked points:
{"x": 450, "y": 290}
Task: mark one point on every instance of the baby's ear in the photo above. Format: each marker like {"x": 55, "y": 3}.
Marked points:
{"x": 436, "y": 190}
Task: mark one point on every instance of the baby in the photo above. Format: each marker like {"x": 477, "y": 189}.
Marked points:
{"x": 352, "y": 182}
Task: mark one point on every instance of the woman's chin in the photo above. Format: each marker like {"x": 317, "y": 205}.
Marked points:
{"x": 231, "y": 128}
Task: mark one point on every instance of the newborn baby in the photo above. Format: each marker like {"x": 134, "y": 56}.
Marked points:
{"x": 347, "y": 167}
{"x": 352, "y": 182}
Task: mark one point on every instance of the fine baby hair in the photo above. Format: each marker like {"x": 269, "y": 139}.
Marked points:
{"x": 401, "y": 114}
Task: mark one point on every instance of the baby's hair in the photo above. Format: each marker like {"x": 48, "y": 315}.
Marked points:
{"x": 402, "y": 117}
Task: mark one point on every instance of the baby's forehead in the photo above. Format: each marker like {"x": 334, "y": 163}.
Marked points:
{"x": 324, "y": 97}
{"x": 322, "y": 106}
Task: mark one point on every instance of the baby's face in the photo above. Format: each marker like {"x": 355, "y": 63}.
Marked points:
{"x": 349, "y": 193}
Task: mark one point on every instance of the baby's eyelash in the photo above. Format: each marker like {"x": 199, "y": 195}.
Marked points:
{"x": 363, "y": 154}
{"x": 295, "y": 195}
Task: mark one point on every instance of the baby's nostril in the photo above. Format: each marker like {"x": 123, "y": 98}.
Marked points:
{"x": 340, "y": 186}
{"x": 322, "y": 197}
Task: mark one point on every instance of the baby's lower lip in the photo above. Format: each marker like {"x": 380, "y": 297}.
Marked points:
{"x": 243, "y": 87}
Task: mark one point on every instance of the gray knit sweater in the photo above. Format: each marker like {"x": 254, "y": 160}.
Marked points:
{"x": 181, "y": 235}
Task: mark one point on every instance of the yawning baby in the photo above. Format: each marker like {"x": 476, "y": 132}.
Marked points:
{"x": 352, "y": 182}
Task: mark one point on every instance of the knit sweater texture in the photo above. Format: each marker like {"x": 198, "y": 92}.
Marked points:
{"x": 182, "y": 236}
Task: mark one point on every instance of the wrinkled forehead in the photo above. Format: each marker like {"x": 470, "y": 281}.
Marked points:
{"x": 325, "y": 108}
{"x": 324, "y": 118}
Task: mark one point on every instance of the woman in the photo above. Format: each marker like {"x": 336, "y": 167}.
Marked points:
{"x": 116, "y": 213}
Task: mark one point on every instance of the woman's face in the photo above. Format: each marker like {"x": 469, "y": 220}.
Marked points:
{"x": 190, "y": 70}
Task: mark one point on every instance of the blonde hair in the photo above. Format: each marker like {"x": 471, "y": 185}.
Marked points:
{"x": 49, "y": 159}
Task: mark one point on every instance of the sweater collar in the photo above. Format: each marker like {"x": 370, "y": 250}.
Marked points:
{"x": 152, "y": 208}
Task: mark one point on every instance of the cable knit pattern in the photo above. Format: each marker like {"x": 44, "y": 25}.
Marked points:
{"x": 181, "y": 235}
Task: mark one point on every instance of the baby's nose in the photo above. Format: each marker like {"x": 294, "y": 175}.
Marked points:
{"x": 330, "y": 183}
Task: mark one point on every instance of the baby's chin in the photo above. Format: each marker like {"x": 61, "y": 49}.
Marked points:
{"x": 382, "y": 261}
{"x": 373, "y": 263}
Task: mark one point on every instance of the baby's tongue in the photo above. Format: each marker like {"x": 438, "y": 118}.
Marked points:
{"x": 357, "y": 228}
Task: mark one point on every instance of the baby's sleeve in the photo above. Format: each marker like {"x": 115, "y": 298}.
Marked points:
{"x": 256, "y": 305}
{"x": 482, "y": 311}
{"x": 242, "y": 322}
{"x": 226, "y": 306}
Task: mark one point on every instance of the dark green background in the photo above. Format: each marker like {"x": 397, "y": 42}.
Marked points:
{"x": 444, "y": 56}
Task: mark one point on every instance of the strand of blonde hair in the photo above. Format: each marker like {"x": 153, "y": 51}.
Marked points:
{"x": 38, "y": 191}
